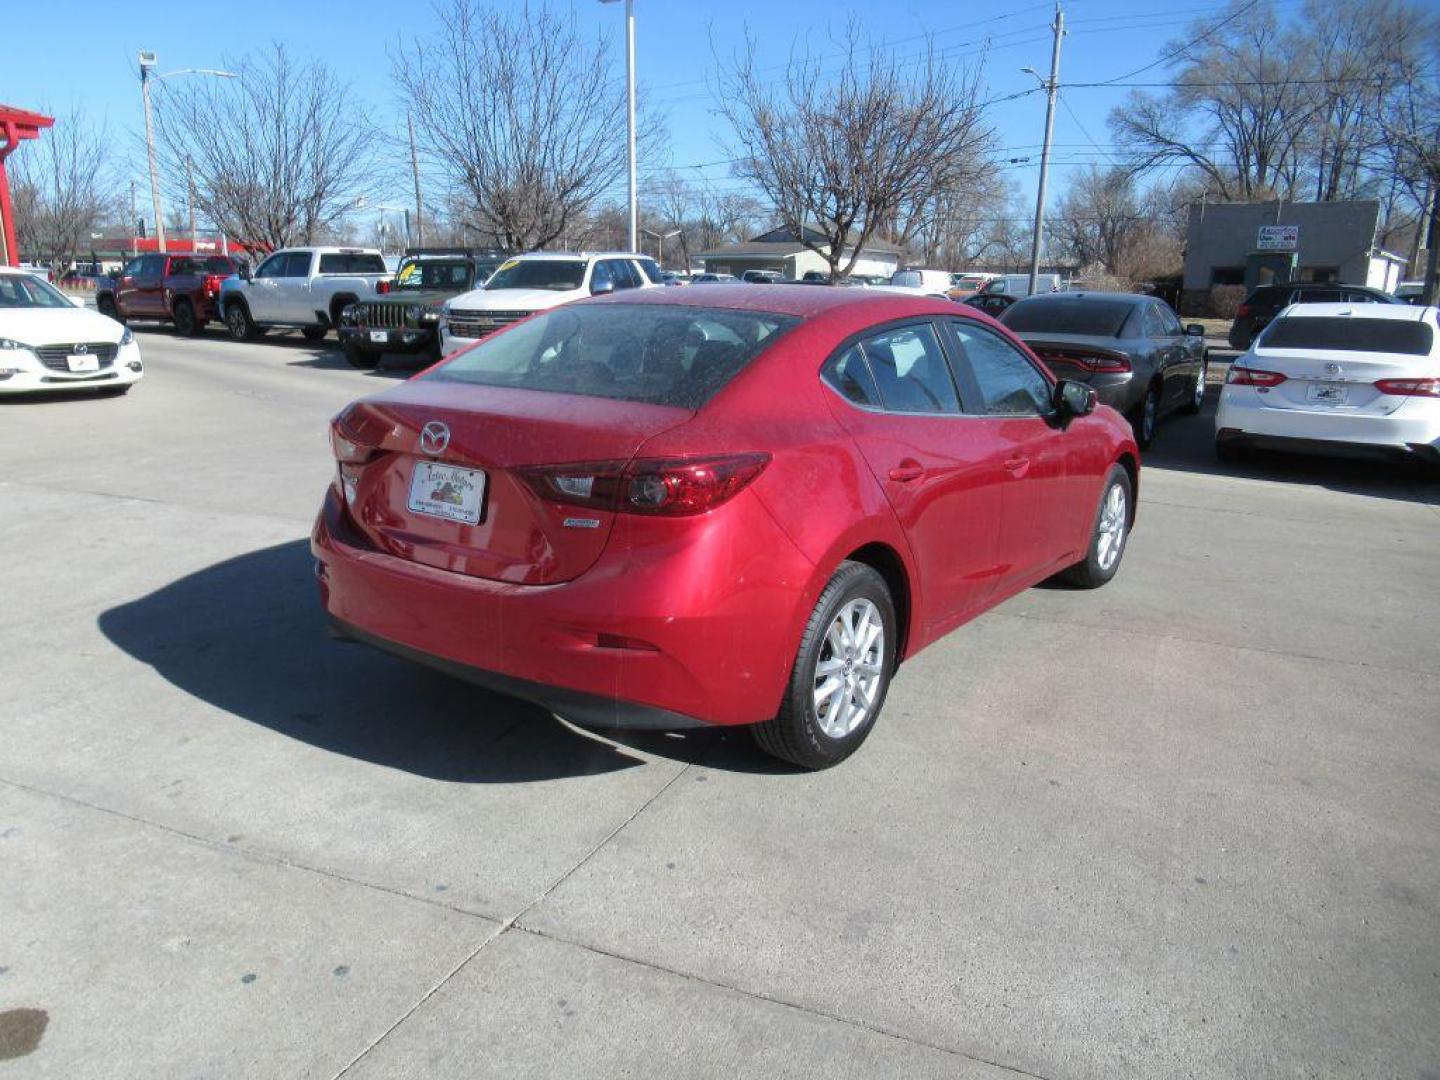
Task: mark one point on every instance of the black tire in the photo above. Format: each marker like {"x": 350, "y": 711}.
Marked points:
{"x": 105, "y": 305}
{"x": 1146, "y": 417}
{"x": 1196, "y": 400}
{"x": 796, "y": 733}
{"x": 357, "y": 357}
{"x": 1101, "y": 563}
{"x": 238, "y": 323}
{"x": 1229, "y": 452}
{"x": 314, "y": 333}
{"x": 183, "y": 312}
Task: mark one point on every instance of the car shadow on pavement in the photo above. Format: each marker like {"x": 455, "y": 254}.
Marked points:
{"x": 247, "y": 636}
{"x": 1187, "y": 444}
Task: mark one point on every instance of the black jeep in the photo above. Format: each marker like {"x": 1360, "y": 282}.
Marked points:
{"x": 405, "y": 317}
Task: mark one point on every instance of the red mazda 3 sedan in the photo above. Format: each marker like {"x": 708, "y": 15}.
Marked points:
{"x": 736, "y": 505}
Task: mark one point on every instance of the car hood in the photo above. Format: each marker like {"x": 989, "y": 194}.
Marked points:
{"x": 414, "y": 296}
{"x": 514, "y": 299}
{"x": 57, "y": 326}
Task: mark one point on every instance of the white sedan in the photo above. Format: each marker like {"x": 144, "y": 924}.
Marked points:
{"x": 1337, "y": 378}
{"x": 48, "y": 343}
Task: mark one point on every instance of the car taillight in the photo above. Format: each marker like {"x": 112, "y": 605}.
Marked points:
{"x": 1094, "y": 361}
{"x": 1243, "y": 376}
{"x": 1244, "y": 311}
{"x": 1409, "y": 387}
{"x": 348, "y": 448}
{"x": 382, "y": 286}
{"x": 670, "y": 487}
{"x": 212, "y": 285}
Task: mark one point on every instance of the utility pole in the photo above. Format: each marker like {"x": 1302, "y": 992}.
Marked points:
{"x": 134, "y": 222}
{"x": 1050, "y": 90}
{"x": 415, "y": 170}
{"x": 190, "y": 203}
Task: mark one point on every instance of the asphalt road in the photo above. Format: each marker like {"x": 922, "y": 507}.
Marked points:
{"x": 1188, "y": 825}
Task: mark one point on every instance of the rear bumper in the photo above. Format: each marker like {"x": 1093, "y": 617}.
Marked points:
{"x": 700, "y": 630}
{"x": 1413, "y": 430}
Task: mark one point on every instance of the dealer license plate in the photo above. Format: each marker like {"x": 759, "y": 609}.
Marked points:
{"x": 446, "y": 491}
{"x": 1327, "y": 393}
{"x": 83, "y": 362}
{"x": 380, "y": 337}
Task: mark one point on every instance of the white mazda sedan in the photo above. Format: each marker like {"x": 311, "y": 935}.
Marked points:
{"x": 1351, "y": 379}
{"x": 48, "y": 343}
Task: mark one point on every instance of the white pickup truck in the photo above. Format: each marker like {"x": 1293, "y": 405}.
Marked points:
{"x": 304, "y": 288}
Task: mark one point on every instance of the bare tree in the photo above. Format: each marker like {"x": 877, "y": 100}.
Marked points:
{"x": 63, "y": 190}
{"x": 519, "y": 112}
{"x": 858, "y": 151}
{"x": 1411, "y": 126}
{"x": 1238, "y": 110}
{"x": 1099, "y": 217}
{"x": 706, "y": 218}
{"x": 277, "y": 155}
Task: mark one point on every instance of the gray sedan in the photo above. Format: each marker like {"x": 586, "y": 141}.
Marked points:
{"x": 1130, "y": 348}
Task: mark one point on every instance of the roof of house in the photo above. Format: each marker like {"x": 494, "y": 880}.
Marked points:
{"x": 782, "y": 241}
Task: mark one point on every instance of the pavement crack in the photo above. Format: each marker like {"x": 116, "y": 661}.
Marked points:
{"x": 848, "y": 1021}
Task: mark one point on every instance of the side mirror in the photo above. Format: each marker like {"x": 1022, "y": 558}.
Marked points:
{"x": 1074, "y": 399}
{"x": 1194, "y": 329}
{"x": 244, "y": 271}
{"x": 600, "y": 288}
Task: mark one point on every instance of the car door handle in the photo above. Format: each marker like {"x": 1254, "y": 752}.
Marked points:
{"x": 1017, "y": 466}
{"x": 907, "y": 471}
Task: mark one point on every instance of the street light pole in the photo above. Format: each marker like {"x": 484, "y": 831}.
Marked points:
{"x": 630, "y": 127}
{"x": 147, "y": 64}
{"x": 1050, "y": 89}
{"x": 147, "y": 72}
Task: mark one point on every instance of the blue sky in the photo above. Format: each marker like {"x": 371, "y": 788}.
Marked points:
{"x": 82, "y": 53}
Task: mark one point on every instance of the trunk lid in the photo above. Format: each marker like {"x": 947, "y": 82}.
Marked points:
{"x": 519, "y": 537}
{"x": 1325, "y": 380}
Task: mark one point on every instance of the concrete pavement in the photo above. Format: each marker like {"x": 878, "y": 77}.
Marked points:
{"x": 1183, "y": 826}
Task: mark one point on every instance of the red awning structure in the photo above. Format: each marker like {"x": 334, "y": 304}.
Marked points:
{"x": 16, "y": 125}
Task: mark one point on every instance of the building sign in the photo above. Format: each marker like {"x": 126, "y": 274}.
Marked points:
{"x": 1278, "y": 238}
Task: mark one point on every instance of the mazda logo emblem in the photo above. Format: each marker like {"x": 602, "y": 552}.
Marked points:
{"x": 80, "y": 350}
{"x": 434, "y": 437}
{"x": 1333, "y": 369}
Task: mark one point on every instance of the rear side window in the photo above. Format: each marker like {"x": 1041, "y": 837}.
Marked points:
{"x": 910, "y": 371}
{"x": 654, "y": 353}
{"x": 847, "y": 373}
{"x": 1349, "y": 335}
{"x": 1068, "y": 315}
{"x": 297, "y": 264}
{"x": 351, "y": 262}
{"x": 1009, "y": 383}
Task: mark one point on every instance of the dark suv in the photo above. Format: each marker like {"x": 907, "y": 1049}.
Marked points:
{"x": 406, "y": 317}
{"x": 1267, "y": 301}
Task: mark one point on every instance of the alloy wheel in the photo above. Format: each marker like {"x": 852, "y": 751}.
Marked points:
{"x": 850, "y": 668}
{"x": 1110, "y": 535}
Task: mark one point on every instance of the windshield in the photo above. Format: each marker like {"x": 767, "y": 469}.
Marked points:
{"x": 658, "y": 354}
{"x": 1348, "y": 334}
{"x": 561, "y": 275}
{"x": 24, "y": 291}
{"x": 434, "y": 274}
{"x": 1068, "y": 315}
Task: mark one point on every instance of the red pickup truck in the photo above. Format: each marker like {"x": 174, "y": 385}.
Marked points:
{"x": 182, "y": 289}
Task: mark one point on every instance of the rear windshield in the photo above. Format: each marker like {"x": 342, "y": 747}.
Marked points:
{"x": 659, "y": 354}
{"x": 347, "y": 262}
{"x": 1056, "y": 315}
{"x": 562, "y": 275}
{"x": 1348, "y": 334}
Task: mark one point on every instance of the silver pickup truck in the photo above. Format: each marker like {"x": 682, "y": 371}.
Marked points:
{"x": 304, "y": 288}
